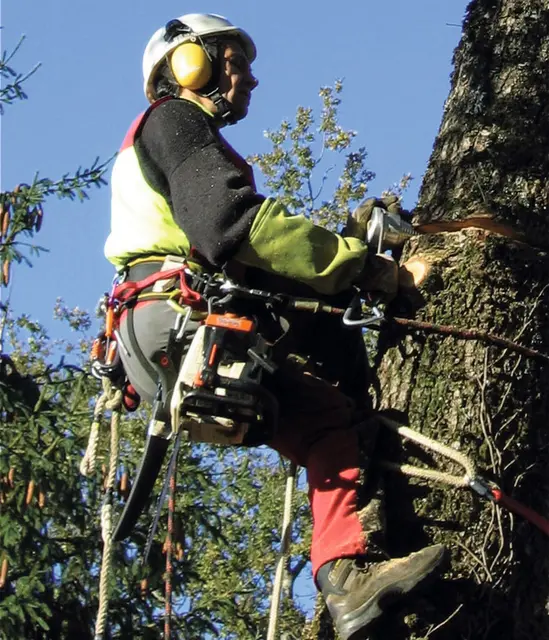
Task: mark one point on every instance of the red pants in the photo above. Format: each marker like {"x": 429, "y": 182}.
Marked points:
{"x": 316, "y": 431}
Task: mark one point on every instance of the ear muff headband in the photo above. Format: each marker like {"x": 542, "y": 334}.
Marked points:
{"x": 191, "y": 66}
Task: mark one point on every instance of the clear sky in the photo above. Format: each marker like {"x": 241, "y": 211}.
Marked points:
{"x": 394, "y": 55}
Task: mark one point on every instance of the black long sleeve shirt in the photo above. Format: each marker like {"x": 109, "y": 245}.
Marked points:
{"x": 208, "y": 186}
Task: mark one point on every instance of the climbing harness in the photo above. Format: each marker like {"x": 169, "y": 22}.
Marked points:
{"x": 214, "y": 394}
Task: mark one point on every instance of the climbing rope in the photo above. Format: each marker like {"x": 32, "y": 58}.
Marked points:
{"x": 169, "y": 551}
{"x": 430, "y": 474}
{"x": 110, "y": 400}
{"x": 88, "y": 462}
{"x": 284, "y": 549}
{"x": 470, "y": 479}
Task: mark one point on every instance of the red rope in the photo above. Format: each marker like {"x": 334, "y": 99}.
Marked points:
{"x": 522, "y": 510}
{"x": 169, "y": 553}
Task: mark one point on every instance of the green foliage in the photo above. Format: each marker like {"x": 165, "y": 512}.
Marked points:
{"x": 47, "y": 532}
{"x": 21, "y": 210}
{"x": 298, "y": 157}
{"x": 44, "y": 522}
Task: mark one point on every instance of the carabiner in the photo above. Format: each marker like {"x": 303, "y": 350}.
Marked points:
{"x": 367, "y": 321}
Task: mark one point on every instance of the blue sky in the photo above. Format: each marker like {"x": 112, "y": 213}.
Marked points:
{"x": 394, "y": 56}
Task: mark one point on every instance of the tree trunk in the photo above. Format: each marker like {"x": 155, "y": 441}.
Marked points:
{"x": 490, "y": 159}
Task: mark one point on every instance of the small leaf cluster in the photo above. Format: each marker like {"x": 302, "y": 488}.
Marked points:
{"x": 236, "y": 567}
{"x": 303, "y": 150}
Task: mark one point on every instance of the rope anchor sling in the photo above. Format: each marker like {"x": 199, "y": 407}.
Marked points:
{"x": 470, "y": 479}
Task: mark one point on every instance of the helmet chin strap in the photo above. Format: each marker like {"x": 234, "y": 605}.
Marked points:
{"x": 224, "y": 109}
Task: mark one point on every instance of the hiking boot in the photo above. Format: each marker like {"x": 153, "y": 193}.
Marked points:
{"x": 354, "y": 594}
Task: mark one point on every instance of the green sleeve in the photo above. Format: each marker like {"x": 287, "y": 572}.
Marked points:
{"x": 294, "y": 247}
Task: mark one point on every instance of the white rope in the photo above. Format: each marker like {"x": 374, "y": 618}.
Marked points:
{"x": 88, "y": 462}
{"x": 442, "y": 449}
{"x": 113, "y": 401}
{"x": 284, "y": 548}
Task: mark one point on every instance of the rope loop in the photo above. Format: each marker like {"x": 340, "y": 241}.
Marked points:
{"x": 109, "y": 400}
{"x": 470, "y": 479}
{"x": 442, "y": 449}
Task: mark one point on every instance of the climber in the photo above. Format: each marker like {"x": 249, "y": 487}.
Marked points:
{"x": 179, "y": 189}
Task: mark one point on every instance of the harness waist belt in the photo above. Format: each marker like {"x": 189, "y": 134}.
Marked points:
{"x": 143, "y": 270}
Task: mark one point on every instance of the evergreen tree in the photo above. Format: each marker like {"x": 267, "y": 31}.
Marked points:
{"x": 43, "y": 520}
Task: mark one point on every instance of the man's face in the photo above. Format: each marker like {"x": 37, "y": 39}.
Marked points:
{"x": 237, "y": 81}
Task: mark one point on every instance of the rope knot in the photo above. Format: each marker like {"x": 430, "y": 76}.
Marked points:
{"x": 109, "y": 400}
{"x": 114, "y": 400}
{"x": 112, "y": 394}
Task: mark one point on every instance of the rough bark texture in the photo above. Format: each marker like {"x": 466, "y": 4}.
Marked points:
{"x": 491, "y": 157}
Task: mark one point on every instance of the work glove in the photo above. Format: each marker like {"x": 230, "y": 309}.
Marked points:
{"x": 357, "y": 222}
{"x": 379, "y": 277}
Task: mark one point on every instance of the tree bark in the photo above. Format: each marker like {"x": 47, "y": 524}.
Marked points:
{"x": 490, "y": 160}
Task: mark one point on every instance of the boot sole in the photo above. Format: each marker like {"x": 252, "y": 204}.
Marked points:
{"x": 373, "y": 608}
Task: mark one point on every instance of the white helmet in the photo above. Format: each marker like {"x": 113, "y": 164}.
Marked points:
{"x": 201, "y": 26}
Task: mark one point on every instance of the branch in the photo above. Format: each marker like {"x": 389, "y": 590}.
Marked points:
{"x": 468, "y": 334}
{"x": 13, "y": 90}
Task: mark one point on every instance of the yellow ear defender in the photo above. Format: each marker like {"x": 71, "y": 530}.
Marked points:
{"x": 191, "y": 66}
